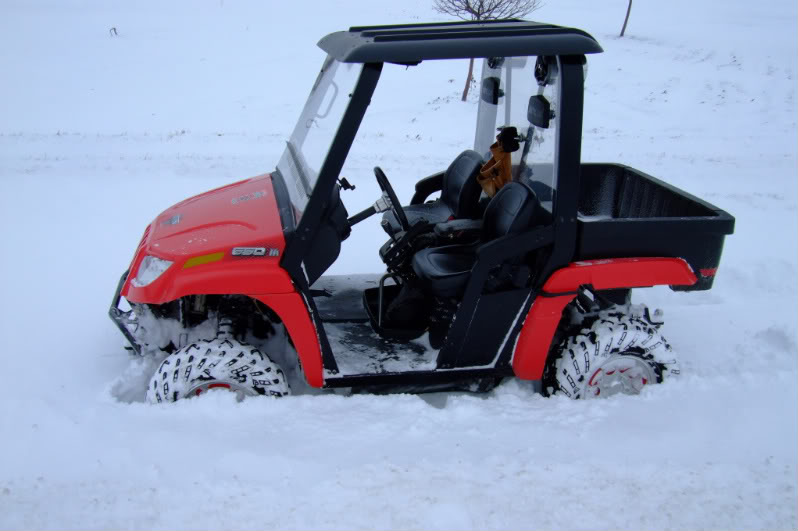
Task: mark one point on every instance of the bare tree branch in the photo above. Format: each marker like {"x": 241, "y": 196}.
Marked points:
{"x": 626, "y": 20}
{"x": 484, "y": 10}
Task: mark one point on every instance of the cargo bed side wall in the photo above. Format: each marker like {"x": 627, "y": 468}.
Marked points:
{"x": 624, "y": 213}
{"x": 619, "y": 192}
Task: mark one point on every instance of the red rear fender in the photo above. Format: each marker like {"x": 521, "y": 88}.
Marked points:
{"x": 534, "y": 341}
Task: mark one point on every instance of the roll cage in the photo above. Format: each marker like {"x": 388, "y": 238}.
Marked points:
{"x": 564, "y": 49}
{"x": 372, "y": 46}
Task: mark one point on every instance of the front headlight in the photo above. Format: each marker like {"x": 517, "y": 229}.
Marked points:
{"x": 151, "y": 268}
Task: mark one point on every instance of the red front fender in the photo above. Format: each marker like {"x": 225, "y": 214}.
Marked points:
{"x": 534, "y": 341}
{"x": 293, "y": 311}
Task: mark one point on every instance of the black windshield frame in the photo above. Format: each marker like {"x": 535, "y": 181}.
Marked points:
{"x": 297, "y": 248}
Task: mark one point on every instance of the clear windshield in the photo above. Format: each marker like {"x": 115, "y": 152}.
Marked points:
{"x": 506, "y": 87}
{"x": 313, "y": 134}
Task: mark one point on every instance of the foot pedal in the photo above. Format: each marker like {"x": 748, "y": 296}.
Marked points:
{"x": 320, "y": 293}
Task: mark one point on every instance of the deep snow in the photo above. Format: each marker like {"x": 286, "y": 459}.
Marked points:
{"x": 99, "y": 133}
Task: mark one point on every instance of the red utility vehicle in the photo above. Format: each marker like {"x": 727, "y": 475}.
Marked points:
{"x": 532, "y": 283}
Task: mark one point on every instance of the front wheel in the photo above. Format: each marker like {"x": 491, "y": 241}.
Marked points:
{"x": 617, "y": 353}
{"x": 221, "y": 363}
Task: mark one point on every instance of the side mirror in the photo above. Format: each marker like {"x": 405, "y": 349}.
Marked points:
{"x": 539, "y": 111}
{"x": 491, "y": 92}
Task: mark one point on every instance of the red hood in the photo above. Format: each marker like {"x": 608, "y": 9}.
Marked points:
{"x": 242, "y": 214}
{"x": 199, "y": 236}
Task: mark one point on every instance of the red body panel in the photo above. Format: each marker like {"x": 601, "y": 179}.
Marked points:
{"x": 243, "y": 214}
{"x": 198, "y": 236}
{"x": 296, "y": 318}
{"x": 536, "y": 335}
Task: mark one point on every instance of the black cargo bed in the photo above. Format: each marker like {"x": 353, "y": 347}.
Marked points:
{"x": 623, "y": 212}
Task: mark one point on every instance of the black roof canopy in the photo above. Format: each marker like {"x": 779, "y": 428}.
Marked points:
{"x": 412, "y": 43}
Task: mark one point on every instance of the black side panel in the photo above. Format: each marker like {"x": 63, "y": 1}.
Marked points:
{"x": 415, "y": 381}
{"x": 489, "y": 255}
{"x": 324, "y": 251}
{"x": 326, "y": 244}
{"x": 492, "y": 322}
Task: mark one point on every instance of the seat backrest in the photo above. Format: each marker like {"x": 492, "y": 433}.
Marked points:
{"x": 512, "y": 210}
{"x": 461, "y": 190}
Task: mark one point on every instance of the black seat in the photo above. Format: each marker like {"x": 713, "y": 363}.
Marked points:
{"x": 444, "y": 271}
{"x": 459, "y": 199}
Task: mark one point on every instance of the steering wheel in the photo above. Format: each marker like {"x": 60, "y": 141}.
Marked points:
{"x": 396, "y": 207}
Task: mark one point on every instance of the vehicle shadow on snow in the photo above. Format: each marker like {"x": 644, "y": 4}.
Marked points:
{"x": 130, "y": 387}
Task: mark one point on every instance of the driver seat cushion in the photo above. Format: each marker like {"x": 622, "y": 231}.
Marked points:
{"x": 459, "y": 196}
{"x": 444, "y": 271}
{"x": 434, "y": 212}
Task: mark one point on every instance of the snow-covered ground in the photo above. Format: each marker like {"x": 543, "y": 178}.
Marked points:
{"x": 100, "y": 130}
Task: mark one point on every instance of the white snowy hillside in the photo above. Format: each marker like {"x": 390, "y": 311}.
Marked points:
{"x": 110, "y": 112}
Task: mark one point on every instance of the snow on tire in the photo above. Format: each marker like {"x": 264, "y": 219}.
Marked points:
{"x": 617, "y": 353}
{"x": 218, "y": 363}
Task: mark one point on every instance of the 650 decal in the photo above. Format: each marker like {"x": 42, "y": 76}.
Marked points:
{"x": 255, "y": 251}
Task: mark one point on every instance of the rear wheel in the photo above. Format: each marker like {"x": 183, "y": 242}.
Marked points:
{"x": 221, "y": 363}
{"x": 616, "y": 353}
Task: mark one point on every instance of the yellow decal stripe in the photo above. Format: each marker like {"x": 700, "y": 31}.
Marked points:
{"x": 203, "y": 259}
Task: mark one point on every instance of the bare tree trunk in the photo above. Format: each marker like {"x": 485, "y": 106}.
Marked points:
{"x": 628, "y": 10}
{"x": 468, "y": 79}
